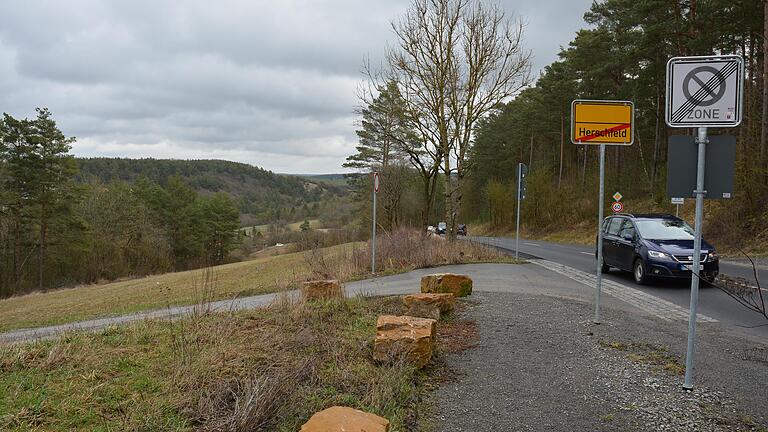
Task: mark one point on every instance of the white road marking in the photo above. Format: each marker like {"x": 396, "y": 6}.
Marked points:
{"x": 587, "y": 253}
{"x": 532, "y": 244}
{"x": 661, "y": 308}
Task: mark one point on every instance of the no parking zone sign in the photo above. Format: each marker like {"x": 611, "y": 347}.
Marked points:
{"x": 704, "y": 91}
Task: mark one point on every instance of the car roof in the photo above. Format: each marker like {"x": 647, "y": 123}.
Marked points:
{"x": 646, "y": 215}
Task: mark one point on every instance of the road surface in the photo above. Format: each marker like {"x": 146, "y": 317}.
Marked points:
{"x": 712, "y": 301}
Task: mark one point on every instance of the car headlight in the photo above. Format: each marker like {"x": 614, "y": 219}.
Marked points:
{"x": 661, "y": 255}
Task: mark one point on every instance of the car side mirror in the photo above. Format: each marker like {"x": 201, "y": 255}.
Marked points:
{"x": 629, "y": 237}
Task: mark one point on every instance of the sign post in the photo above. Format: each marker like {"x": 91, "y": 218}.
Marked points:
{"x": 602, "y": 122}
{"x": 522, "y": 171}
{"x": 373, "y": 236}
{"x": 702, "y": 92}
{"x": 677, "y": 202}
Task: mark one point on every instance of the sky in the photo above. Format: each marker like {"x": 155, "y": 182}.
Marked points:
{"x": 268, "y": 83}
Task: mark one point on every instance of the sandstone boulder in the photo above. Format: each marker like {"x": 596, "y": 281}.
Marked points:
{"x": 411, "y": 337}
{"x": 456, "y": 284}
{"x": 321, "y": 290}
{"x": 424, "y": 310}
{"x": 428, "y": 305}
{"x": 345, "y": 419}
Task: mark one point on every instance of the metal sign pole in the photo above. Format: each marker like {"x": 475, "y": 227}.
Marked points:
{"x": 700, "y": 192}
{"x": 373, "y": 236}
{"x": 677, "y": 210}
{"x": 519, "y": 193}
{"x": 599, "y": 281}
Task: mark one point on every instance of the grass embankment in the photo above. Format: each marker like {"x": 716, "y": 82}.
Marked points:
{"x": 398, "y": 252}
{"x": 268, "y": 369}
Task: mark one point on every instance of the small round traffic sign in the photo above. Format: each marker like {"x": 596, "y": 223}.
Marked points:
{"x": 617, "y": 207}
{"x": 376, "y": 182}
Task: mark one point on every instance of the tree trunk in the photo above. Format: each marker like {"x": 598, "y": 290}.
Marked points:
{"x": 42, "y": 250}
{"x": 764, "y": 115}
{"x": 429, "y": 191}
{"x": 562, "y": 147}
{"x": 656, "y": 141}
{"x": 17, "y": 251}
{"x": 530, "y": 158}
{"x": 448, "y": 194}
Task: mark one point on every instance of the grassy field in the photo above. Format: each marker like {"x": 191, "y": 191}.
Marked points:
{"x": 268, "y": 369}
{"x": 259, "y": 276}
{"x": 345, "y": 262}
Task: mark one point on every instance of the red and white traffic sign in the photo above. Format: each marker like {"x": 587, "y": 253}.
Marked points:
{"x": 376, "y": 182}
{"x": 617, "y": 207}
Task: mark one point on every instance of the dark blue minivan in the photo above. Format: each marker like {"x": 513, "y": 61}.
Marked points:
{"x": 654, "y": 245}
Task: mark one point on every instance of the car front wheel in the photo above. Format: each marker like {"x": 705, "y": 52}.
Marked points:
{"x": 639, "y": 272}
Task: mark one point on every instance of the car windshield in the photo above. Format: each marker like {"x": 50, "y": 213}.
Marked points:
{"x": 664, "y": 229}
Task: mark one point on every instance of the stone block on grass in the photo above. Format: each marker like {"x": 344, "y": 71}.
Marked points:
{"x": 456, "y": 284}
{"x": 405, "y": 336}
{"x": 345, "y": 419}
{"x": 428, "y": 305}
{"x": 321, "y": 290}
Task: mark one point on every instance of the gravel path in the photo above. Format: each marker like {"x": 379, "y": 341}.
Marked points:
{"x": 541, "y": 366}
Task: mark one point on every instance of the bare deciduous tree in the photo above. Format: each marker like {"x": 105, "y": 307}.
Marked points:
{"x": 455, "y": 61}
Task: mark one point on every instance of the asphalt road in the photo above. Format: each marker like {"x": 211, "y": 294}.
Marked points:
{"x": 712, "y": 301}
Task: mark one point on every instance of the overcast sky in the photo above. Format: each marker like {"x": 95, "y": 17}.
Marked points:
{"x": 269, "y": 83}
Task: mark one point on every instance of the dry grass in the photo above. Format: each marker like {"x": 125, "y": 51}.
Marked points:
{"x": 250, "y": 371}
{"x": 397, "y": 252}
{"x": 240, "y": 279}
{"x": 658, "y": 357}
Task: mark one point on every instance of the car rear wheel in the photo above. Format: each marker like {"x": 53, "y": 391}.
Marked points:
{"x": 604, "y": 268}
{"x": 638, "y": 270}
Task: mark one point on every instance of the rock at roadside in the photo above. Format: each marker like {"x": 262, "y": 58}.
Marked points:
{"x": 428, "y": 305}
{"x": 321, "y": 290}
{"x": 456, "y": 284}
{"x": 405, "y": 336}
{"x": 345, "y": 419}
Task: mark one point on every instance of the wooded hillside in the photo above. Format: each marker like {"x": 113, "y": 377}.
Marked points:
{"x": 65, "y": 221}
{"x": 261, "y": 196}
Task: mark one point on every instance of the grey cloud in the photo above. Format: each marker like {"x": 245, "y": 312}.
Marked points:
{"x": 264, "y": 82}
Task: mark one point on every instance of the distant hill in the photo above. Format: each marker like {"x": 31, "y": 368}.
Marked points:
{"x": 262, "y": 195}
{"x": 329, "y": 179}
